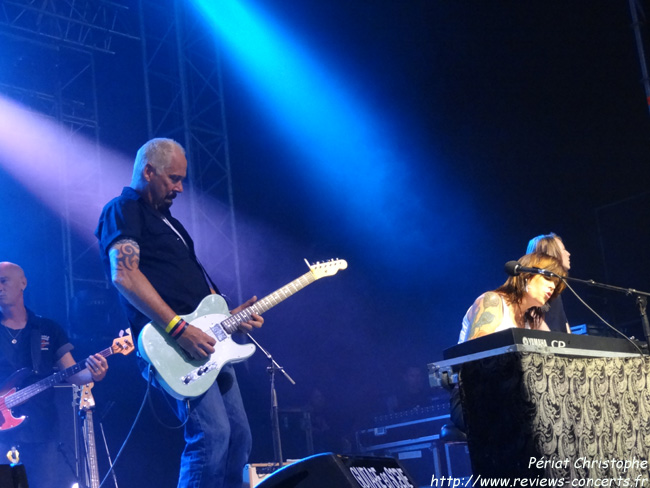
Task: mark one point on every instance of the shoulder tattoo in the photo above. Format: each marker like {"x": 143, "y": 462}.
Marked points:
{"x": 485, "y": 315}
{"x": 125, "y": 255}
{"x": 491, "y": 299}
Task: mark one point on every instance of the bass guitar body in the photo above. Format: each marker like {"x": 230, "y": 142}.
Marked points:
{"x": 7, "y": 420}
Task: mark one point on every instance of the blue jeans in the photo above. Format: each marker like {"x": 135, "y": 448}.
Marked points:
{"x": 217, "y": 436}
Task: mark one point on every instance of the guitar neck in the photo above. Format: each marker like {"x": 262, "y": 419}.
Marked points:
{"x": 231, "y": 324}
{"x": 21, "y": 396}
{"x": 91, "y": 450}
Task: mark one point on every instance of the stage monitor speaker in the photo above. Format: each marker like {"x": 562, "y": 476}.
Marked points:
{"x": 332, "y": 470}
{"x": 256, "y": 472}
{"x": 13, "y": 476}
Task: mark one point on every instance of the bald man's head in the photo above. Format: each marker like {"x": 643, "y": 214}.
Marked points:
{"x": 12, "y": 284}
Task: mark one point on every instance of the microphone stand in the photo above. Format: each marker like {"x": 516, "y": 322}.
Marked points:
{"x": 275, "y": 418}
{"x": 108, "y": 454}
{"x": 641, "y": 299}
{"x": 103, "y": 415}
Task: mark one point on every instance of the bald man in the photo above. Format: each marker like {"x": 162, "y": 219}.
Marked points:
{"x": 41, "y": 345}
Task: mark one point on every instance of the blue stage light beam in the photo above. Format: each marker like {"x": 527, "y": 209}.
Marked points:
{"x": 350, "y": 156}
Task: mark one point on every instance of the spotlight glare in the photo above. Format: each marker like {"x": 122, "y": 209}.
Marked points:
{"x": 53, "y": 163}
{"x": 344, "y": 143}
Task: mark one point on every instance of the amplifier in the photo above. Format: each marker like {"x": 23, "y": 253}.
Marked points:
{"x": 329, "y": 470}
{"x": 405, "y": 428}
{"x": 13, "y": 476}
{"x": 255, "y": 473}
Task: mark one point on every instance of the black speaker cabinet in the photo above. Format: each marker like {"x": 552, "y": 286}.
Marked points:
{"x": 63, "y": 470}
{"x": 13, "y": 476}
{"x": 330, "y": 470}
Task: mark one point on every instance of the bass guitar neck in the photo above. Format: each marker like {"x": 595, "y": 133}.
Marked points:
{"x": 11, "y": 396}
{"x": 86, "y": 407}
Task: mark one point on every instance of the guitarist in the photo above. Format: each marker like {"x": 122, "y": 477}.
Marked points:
{"x": 41, "y": 345}
{"x": 151, "y": 260}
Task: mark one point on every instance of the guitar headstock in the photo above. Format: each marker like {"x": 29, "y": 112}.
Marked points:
{"x": 86, "y": 399}
{"x": 83, "y": 397}
{"x": 124, "y": 343}
{"x": 327, "y": 268}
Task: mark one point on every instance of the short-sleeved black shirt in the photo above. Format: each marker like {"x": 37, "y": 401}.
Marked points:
{"x": 41, "y": 423}
{"x": 168, "y": 263}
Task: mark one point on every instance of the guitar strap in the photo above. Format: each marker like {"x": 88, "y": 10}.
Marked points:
{"x": 207, "y": 276}
{"x": 7, "y": 352}
{"x": 193, "y": 253}
{"x": 36, "y": 346}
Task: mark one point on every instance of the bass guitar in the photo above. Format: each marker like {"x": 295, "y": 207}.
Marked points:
{"x": 11, "y": 397}
{"x": 183, "y": 377}
{"x": 86, "y": 406}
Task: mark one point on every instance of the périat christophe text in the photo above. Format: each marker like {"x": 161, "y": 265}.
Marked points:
{"x": 621, "y": 466}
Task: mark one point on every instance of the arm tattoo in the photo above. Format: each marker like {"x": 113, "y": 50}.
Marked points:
{"x": 490, "y": 300}
{"x": 486, "y": 318}
{"x": 125, "y": 255}
{"x": 483, "y": 319}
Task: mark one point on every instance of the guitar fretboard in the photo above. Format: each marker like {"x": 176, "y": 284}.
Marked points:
{"x": 91, "y": 450}
{"x": 21, "y": 396}
{"x": 231, "y": 324}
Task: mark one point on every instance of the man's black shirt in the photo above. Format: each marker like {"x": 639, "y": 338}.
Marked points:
{"x": 167, "y": 258}
{"x": 41, "y": 424}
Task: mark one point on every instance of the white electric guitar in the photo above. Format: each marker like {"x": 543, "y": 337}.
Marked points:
{"x": 183, "y": 377}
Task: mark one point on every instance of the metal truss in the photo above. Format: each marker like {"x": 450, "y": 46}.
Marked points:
{"x": 185, "y": 102}
{"x": 85, "y": 24}
{"x": 50, "y": 52}
{"x": 66, "y": 93}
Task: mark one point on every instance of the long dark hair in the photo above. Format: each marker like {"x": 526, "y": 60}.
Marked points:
{"x": 547, "y": 244}
{"x": 514, "y": 289}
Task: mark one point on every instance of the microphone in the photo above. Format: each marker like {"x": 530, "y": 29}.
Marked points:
{"x": 513, "y": 268}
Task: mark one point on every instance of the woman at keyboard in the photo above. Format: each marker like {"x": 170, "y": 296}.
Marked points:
{"x": 516, "y": 303}
{"x": 553, "y": 245}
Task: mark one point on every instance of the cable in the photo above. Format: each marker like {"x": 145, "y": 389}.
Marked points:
{"x": 602, "y": 319}
{"x": 135, "y": 421}
{"x": 161, "y": 421}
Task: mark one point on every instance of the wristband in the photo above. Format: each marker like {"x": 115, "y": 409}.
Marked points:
{"x": 172, "y": 323}
{"x": 179, "y": 329}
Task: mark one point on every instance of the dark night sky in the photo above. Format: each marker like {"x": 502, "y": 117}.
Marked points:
{"x": 511, "y": 118}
